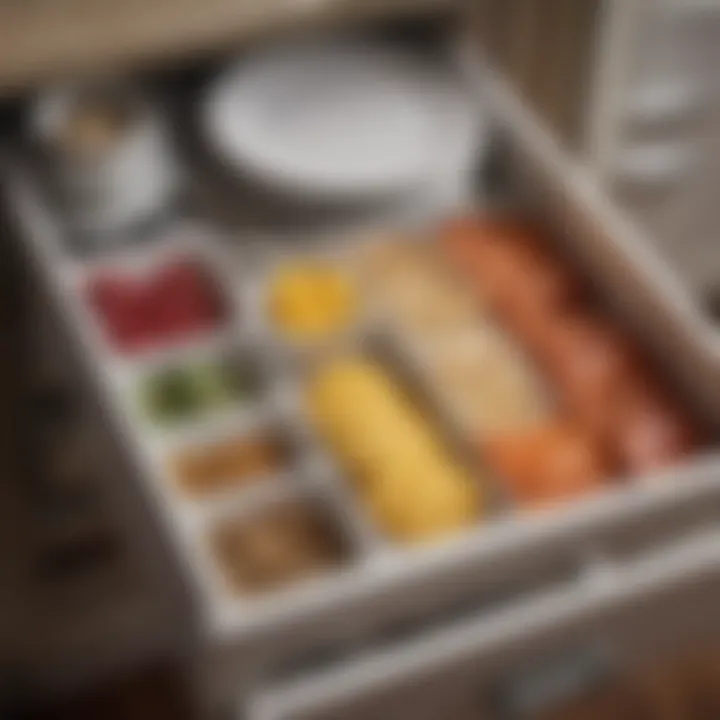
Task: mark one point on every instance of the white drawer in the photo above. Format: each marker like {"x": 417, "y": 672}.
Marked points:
{"x": 233, "y": 639}
{"x": 566, "y": 636}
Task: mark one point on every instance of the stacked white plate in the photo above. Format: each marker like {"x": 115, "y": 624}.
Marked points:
{"x": 351, "y": 121}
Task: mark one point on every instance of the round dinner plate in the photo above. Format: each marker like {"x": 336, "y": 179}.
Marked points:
{"x": 336, "y": 120}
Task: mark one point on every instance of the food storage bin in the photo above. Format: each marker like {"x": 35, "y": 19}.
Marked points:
{"x": 230, "y": 644}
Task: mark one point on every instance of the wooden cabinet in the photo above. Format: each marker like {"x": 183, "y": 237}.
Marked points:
{"x": 45, "y": 39}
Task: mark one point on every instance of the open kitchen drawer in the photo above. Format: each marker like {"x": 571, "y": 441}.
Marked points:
{"x": 230, "y": 643}
{"x": 530, "y": 656}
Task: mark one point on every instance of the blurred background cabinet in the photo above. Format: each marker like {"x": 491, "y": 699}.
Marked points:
{"x": 630, "y": 87}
